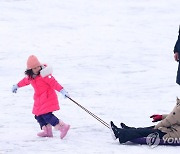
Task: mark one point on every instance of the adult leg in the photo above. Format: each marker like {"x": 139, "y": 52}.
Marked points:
{"x": 125, "y": 135}
{"x": 124, "y": 126}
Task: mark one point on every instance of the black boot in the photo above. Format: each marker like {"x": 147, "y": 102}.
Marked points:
{"x": 114, "y": 130}
{"x": 125, "y": 126}
{"x": 118, "y": 133}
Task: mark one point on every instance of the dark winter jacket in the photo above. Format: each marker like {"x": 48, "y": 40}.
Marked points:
{"x": 177, "y": 45}
{"x": 177, "y": 49}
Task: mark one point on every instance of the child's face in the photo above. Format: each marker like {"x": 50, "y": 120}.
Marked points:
{"x": 36, "y": 69}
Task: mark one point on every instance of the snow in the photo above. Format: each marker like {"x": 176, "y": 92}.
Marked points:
{"x": 114, "y": 57}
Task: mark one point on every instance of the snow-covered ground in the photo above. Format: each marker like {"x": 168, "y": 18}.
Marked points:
{"x": 114, "y": 57}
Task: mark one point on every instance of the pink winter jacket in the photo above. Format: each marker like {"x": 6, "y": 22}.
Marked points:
{"x": 45, "y": 97}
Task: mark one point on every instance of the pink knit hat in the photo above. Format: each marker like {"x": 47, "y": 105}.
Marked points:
{"x": 32, "y": 62}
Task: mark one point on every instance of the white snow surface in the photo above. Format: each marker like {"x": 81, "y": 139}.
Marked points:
{"x": 114, "y": 57}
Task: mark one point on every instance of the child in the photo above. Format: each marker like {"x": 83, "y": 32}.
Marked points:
{"x": 45, "y": 97}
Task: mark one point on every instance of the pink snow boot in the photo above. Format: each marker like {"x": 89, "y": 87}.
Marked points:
{"x": 63, "y": 129}
{"x": 47, "y": 131}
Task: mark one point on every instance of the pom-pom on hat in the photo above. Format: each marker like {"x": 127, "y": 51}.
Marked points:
{"x": 32, "y": 62}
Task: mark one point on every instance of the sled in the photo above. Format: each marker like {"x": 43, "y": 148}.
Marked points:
{"x": 151, "y": 142}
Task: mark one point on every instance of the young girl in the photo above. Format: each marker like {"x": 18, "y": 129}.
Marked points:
{"x": 45, "y": 98}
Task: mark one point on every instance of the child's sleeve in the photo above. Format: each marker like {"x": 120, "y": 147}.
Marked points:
{"x": 53, "y": 83}
{"x": 24, "y": 82}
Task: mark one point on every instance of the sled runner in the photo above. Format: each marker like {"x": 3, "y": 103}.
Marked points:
{"x": 149, "y": 141}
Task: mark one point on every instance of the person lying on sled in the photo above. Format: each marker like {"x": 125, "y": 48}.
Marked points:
{"x": 168, "y": 127}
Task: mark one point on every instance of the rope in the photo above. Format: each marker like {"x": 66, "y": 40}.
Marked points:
{"x": 93, "y": 115}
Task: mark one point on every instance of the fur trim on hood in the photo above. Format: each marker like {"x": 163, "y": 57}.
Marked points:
{"x": 46, "y": 70}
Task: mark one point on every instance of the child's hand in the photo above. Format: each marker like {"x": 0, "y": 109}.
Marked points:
{"x": 64, "y": 93}
{"x": 15, "y": 88}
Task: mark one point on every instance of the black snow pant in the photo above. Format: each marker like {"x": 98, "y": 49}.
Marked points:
{"x": 125, "y": 135}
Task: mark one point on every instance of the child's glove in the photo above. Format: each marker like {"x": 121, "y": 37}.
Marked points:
{"x": 15, "y": 88}
{"x": 64, "y": 93}
{"x": 156, "y": 117}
